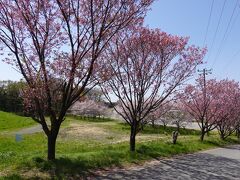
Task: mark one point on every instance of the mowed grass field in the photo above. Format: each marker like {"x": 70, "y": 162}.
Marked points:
{"x": 85, "y": 145}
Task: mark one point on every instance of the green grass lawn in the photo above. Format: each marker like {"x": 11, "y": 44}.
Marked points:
{"x": 9, "y": 121}
{"x": 85, "y": 145}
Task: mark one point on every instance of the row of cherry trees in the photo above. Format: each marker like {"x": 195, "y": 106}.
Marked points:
{"x": 63, "y": 48}
{"x": 213, "y": 104}
{"x": 56, "y": 45}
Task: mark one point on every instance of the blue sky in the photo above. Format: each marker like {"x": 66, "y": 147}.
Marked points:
{"x": 190, "y": 18}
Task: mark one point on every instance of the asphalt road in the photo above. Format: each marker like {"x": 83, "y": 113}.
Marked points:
{"x": 216, "y": 164}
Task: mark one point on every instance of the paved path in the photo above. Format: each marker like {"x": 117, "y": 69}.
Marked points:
{"x": 30, "y": 130}
{"x": 216, "y": 164}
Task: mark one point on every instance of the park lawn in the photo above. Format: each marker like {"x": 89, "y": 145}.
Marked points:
{"x": 10, "y": 121}
{"x": 85, "y": 145}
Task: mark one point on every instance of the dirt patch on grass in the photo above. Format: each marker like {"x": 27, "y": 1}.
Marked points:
{"x": 84, "y": 131}
{"x": 89, "y": 132}
{"x": 37, "y": 174}
{"x": 138, "y": 139}
{"x": 2, "y": 174}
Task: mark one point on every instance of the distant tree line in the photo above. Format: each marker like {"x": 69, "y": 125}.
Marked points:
{"x": 12, "y": 99}
{"x": 10, "y": 96}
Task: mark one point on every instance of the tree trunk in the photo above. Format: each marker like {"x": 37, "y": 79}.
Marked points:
{"x": 153, "y": 123}
{"x": 222, "y": 136}
{"x": 133, "y": 138}
{"x": 238, "y": 133}
{"x": 51, "y": 147}
{"x": 178, "y": 127}
{"x": 175, "y": 136}
{"x": 202, "y": 135}
{"x": 52, "y": 137}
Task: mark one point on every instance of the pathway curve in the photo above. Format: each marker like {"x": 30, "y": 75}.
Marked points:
{"x": 30, "y": 130}
{"x": 215, "y": 164}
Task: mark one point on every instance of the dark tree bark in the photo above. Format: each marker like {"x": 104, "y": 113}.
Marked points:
{"x": 175, "y": 136}
{"x": 222, "y": 133}
{"x": 238, "y": 134}
{"x": 52, "y": 138}
{"x": 222, "y": 136}
{"x": 153, "y": 123}
{"x": 51, "y": 147}
{"x": 133, "y": 137}
{"x": 203, "y": 132}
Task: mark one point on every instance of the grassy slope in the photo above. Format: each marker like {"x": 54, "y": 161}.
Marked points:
{"x": 9, "y": 121}
{"x": 87, "y": 145}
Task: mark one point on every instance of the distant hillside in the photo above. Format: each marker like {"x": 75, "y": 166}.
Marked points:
{"x": 10, "y": 121}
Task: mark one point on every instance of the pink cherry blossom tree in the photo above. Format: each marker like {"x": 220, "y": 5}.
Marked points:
{"x": 159, "y": 114}
{"x": 215, "y": 105}
{"x": 146, "y": 67}
{"x": 228, "y": 101}
{"x": 89, "y": 107}
{"x": 178, "y": 116}
{"x": 55, "y": 45}
{"x": 198, "y": 101}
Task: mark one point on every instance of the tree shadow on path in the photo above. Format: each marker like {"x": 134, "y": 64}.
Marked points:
{"x": 193, "y": 166}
